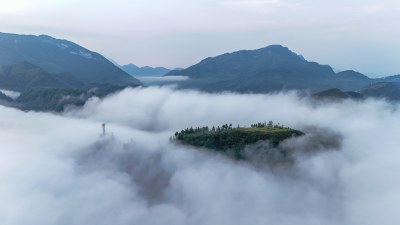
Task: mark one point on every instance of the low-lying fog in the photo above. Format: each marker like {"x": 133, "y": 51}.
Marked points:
{"x": 11, "y": 94}
{"x": 160, "y": 80}
{"x": 56, "y": 169}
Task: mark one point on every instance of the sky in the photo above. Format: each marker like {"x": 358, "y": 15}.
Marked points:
{"x": 347, "y": 34}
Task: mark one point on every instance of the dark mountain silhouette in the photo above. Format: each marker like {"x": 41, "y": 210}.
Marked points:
{"x": 350, "y": 80}
{"x": 335, "y": 94}
{"x": 173, "y": 72}
{"x": 134, "y": 70}
{"x": 388, "y": 90}
{"x": 273, "y": 68}
{"x": 57, "y": 56}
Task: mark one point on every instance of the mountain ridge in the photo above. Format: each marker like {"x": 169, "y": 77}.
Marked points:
{"x": 59, "y": 56}
{"x": 275, "y": 67}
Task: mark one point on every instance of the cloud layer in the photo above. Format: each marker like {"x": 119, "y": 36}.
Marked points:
{"x": 56, "y": 169}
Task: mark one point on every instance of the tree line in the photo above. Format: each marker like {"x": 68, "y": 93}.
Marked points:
{"x": 205, "y": 129}
{"x": 225, "y": 127}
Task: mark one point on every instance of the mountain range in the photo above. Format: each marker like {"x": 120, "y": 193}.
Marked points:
{"x": 51, "y": 74}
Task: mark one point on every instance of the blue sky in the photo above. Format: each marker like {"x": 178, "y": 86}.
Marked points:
{"x": 354, "y": 34}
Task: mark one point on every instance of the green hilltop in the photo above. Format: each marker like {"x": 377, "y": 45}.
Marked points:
{"x": 232, "y": 140}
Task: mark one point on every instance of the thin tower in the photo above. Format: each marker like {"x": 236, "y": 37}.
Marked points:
{"x": 104, "y": 129}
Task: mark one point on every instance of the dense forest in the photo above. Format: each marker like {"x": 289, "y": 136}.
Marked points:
{"x": 229, "y": 139}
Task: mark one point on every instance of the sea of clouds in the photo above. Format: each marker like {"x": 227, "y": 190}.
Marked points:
{"x": 56, "y": 169}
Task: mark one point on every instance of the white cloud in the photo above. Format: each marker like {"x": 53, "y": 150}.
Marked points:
{"x": 55, "y": 169}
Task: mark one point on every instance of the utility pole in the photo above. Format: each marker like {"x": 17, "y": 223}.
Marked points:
{"x": 104, "y": 129}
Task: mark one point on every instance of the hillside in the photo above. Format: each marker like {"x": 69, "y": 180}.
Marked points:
{"x": 350, "y": 80}
{"x": 232, "y": 141}
{"x": 394, "y": 78}
{"x": 57, "y": 56}
{"x": 59, "y": 99}
{"x": 331, "y": 94}
{"x": 335, "y": 94}
{"x": 23, "y": 76}
{"x": 52, "y": 74}
{"x": 273, "y": 68}
{"x": 42, "y": 91}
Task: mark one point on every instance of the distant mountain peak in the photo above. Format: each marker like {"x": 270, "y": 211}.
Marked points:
{"x": 45, "y": 36}
{"x": 280, "y": 49}
{"x": 134, "y": 70}
{"x": 352, "y": 74}
{"x": 130, "y": 65}
{"x": 275, "y": 47}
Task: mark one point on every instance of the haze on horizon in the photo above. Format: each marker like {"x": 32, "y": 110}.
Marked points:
{"x": 354, "y": 34}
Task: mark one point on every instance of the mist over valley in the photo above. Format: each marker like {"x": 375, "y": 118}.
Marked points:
{"x": 225, "y": 112}
{"x": 61, "y": 163}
